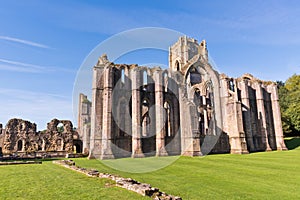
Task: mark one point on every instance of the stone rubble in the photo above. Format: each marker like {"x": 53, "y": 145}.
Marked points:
{"x": 126, "y": 183}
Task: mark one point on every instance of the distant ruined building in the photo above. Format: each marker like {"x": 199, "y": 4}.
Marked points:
{"x": 20, "y": 138}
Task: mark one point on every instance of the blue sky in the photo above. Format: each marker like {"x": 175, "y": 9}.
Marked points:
{"x": 43, "y": 43}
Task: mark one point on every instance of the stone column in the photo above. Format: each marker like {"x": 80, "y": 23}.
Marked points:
{"x": 96, "y": 114}
{"x": 189, "y": 120}
{"x": 182, "y": 118}
{"x": 243, "y": 86}
{"x": 192, "y": 136}
{"x": 79, "y": 114}
{"x": 233, "y": 121}
{"x": 136, "y": 114}
{"x": 107, "y": 114}
{"x": 43, "y": 145}
{"x": 86, "y": 134}
{"x": 159, "y": 114}
{"x": 277, "y": 118}
{"x": 23, "y": 145}
{"x": 262, "y": 114}
{"x": 224, "y": 95}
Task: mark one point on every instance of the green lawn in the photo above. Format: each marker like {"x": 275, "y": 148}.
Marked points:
{"x": 265, "y": 175}
{"x": 50, "y": 181}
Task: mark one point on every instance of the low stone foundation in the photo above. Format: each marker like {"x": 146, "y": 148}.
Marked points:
{"x": 126, "y": 183}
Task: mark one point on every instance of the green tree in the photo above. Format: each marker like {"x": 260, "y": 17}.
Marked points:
{"x": 289, "y": 99}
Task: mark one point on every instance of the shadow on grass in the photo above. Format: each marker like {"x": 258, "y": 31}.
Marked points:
{"x": 292, "y": 143}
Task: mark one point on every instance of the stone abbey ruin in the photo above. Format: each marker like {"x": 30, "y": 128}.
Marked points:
{"x": 189, "y": 109}
{"x": 19, "y": 138}
{"x": 136, "y": 111}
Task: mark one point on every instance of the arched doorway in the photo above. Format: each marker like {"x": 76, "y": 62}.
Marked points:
{"x": 77, "y": 146}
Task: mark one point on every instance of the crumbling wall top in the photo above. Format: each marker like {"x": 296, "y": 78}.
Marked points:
{"x": 18, "y": 125}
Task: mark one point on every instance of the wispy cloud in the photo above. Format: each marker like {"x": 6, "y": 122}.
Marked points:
{"x": 37, "y": 107}
{"x": 26, "y": 42}
{"x": 10, "y": 65}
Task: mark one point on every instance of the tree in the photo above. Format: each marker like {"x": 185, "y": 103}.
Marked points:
{"x": 289, "y": 99}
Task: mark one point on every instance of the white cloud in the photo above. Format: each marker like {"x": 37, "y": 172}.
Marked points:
{"x": 16, "y": 66}
{"x": 26, "y": 42}
{"x": 36, "y": 107}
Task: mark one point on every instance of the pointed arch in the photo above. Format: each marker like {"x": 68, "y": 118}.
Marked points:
{"x": 122, "y": 75}
{"x": 145, "y": 77}
{"x": 165, "y": 80}
{"x": 168, "y": 125}
{"x": 214, "y": 85}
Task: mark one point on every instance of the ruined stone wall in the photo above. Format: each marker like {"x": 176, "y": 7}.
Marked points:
{"x": 189, "y": 109}
{"x": 251, "y": 110}
{"x": 21, "y": 136}
{"x": 125, "y": 96}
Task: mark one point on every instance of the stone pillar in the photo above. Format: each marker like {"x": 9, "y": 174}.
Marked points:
{"x": 136, "y": 114}
{"x": 107, "y": 114}
{"x": 277, "y": 118}
{"x": 192, "y": 135}
{"x": 96, "y": 113}
{"x": 262, "y": 114}
{"x": 43, "y": 145}
{"x": 86, "y": 129}
{"x": 159, "y": 114}
{"x": 243, "y": 86}
{"x": 23, "y": 145}
{"x": 233, "y": 122}
{"x": 189, "y": 120}
{"x": 236, "y": 131}
{"x": 224, "y": 95}
{"x": 79, "y": 114}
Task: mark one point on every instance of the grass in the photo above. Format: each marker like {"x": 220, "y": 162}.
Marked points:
{"x": 50, "y": 181}
{"x": 264, "y": 175}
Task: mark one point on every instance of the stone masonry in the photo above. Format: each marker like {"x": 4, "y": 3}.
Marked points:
{"x": 21, "y": 137}
{"x": 189, "y": 109}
